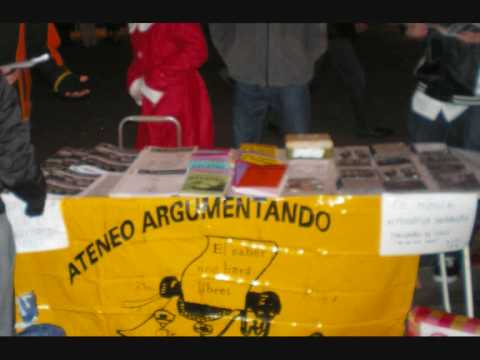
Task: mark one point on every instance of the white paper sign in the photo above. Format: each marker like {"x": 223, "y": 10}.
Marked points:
{"x": 418, "y": 224}
{"x": 40, "y": 233}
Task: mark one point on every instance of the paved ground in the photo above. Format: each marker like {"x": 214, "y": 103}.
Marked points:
{"x": 388, "y": 59}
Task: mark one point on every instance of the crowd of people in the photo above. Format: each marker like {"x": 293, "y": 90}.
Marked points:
{"x": 270, "y": 65}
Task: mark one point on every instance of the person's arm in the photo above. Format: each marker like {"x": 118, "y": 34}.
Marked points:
{"x": 416, "y": 30}
{"x": 469, "y": 37}
{"x": 63, "y": 81}
{"x": 316, "y": 40}
{"x": 222, "y": 35}
{"x": 420, "y": 31}
{"x": 19, "y": 171}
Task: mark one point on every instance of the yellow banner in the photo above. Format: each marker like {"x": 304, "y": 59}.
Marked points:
{"x": 212, "y": 267}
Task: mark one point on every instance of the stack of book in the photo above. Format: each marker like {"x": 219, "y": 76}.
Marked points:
{"x": 309, "y": 146}
{"x": 258, "y": 171}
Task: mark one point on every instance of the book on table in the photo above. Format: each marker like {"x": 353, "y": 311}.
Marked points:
{"x": 258, "y": 180}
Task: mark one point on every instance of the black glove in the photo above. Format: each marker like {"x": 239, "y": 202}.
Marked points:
{"x": 69, "y": 82}
{"x": 34, "y": 194}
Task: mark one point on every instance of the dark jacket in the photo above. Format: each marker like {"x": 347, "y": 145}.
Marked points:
{"x": 270, "y": 54}
{"x": 450, "y": 69}
{"x": 18, "y": 170}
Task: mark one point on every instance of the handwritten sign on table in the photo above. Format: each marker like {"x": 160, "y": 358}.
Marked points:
{"x": 40, "y": 233}
{"x": 418, "y": 224}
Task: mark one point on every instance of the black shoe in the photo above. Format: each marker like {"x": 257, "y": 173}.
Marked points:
{"x": 453, "y": 270}
{"x": 378, "y": 132}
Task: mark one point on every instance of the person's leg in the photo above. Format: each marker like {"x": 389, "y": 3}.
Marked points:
{"x": 294, "y": 105}
{"x": 422, "y": 129}
{"x": 7, "y": 260}
{"x": 43, "y": 330}
{"x": 250, "y": 106}
{"x": 471, "y": 128}
{"x": 346, "y": 64}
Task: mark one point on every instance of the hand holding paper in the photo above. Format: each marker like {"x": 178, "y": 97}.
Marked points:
{"x": 5, "y": 69}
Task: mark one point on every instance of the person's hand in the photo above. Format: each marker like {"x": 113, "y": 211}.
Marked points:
{"x": 72, "y": 86}
{"x": 34, "y": 211}
{"x": 469, "y": 37}
{"x": 417, "y": 30}
{"x": 81, "y": 93}
{"x": 12, "y": 77}
{"x": 361, "y": 27}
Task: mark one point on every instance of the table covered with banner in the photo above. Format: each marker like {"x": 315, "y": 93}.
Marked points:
{"x": 302, "y": 266}
{"x": 221, "y": 266}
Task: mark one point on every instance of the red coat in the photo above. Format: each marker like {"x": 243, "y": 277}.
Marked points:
{"x": 163, "y": 78}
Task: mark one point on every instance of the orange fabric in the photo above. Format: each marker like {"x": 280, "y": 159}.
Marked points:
{"x": 25, "y": 79}
{"x": 54, "y": 42}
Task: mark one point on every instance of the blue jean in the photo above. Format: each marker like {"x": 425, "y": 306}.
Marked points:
{"x": 42, "y": 330}
{"x": 463, "y": 132}
{"x": 251, "y": 103}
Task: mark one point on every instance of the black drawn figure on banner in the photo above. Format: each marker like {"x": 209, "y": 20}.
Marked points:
{"x": 216, "y": 290}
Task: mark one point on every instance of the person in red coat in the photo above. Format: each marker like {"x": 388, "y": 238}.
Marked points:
{"x": 163, "y": 79}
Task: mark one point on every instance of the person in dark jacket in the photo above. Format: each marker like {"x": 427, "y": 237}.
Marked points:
{"x": 271, "y": 65}
{"x": 344, "y": 59}
{"x": 22, "y": 41}
{"x": 445, "y": 106}
{"x": 20, "y": 174}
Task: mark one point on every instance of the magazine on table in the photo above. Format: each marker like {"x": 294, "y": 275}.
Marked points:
{"x": 158, "y": 161}
{"x": 358, "y": 180}
{"x": 139, "y": 184}
{"x": 310, "y": 177}
{"x": 353, "y": 156}
{"x": 355, "y": 171}
{"x": 397, "y": 169}
{"x": 446, "y": 169}
{"x": 102, "y": 186}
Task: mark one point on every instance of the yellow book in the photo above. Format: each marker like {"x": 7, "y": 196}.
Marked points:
{"x": 268, "y": 150}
